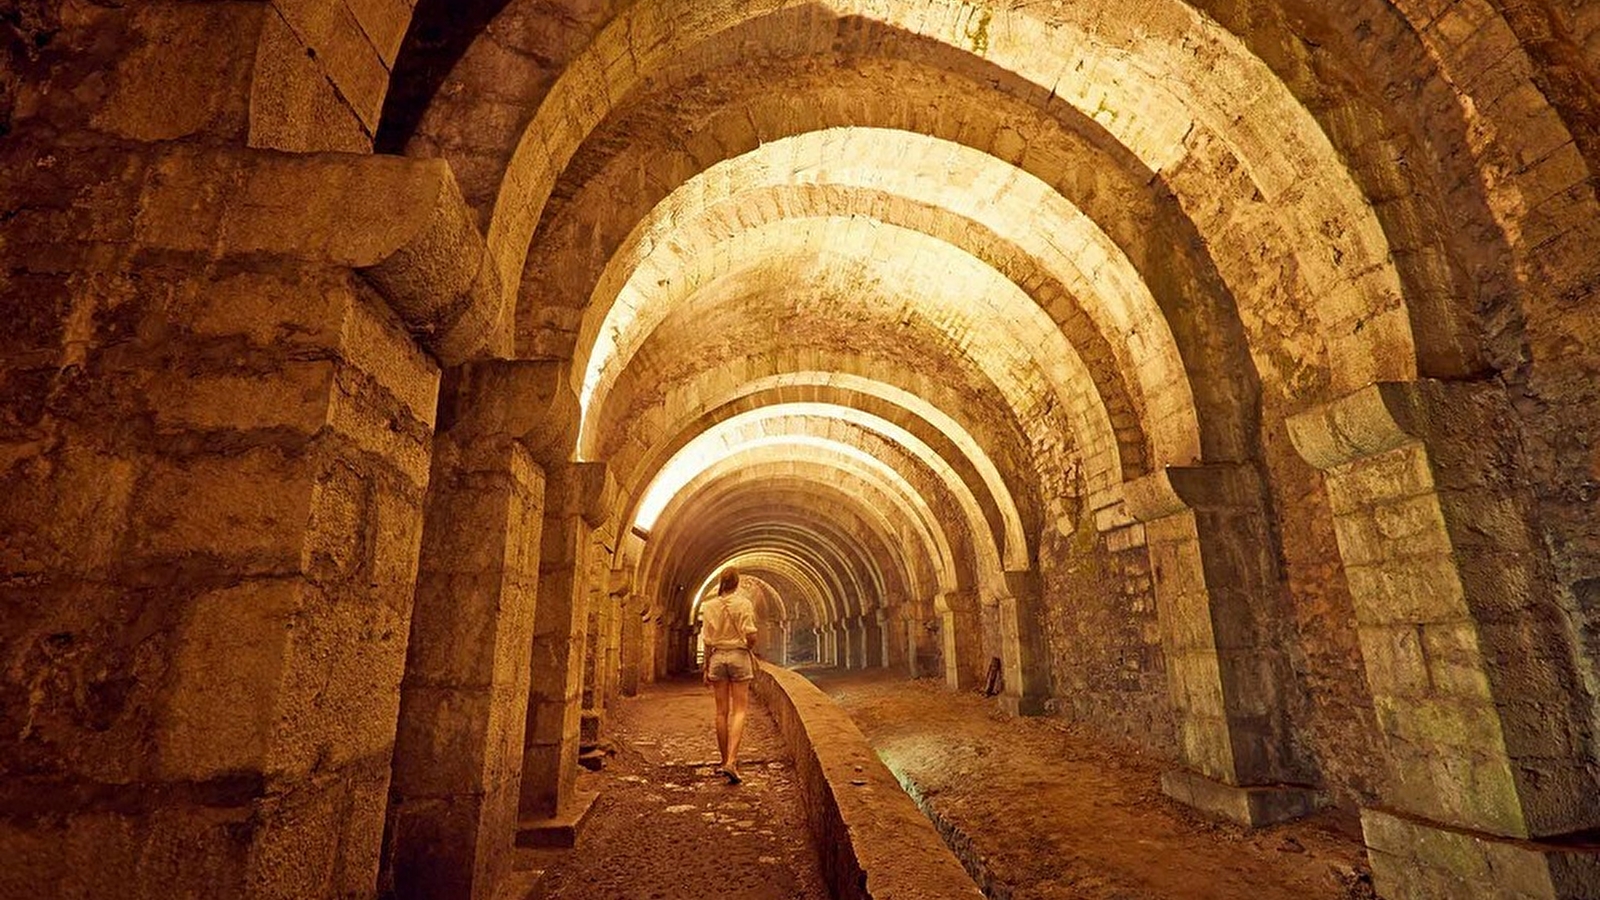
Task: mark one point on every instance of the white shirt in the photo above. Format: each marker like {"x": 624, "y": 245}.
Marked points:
{"x": 727, "y": 621}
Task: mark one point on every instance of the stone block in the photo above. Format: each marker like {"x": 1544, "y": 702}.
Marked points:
{"x": 187, "y": 72}
{"x": 185, "y": 852}
{"x": 1252, "y": 807}
{"x": 294, "y": 398}
{"x": 397, "y": 536}
{"x": 1407, "y": 591}
{"x": 250, "y": 508}
{"x": 1416, "y": 858}
{"x": 302, "y": 844}
{"x": 1400, "y": 473}
{"x": 334, "y": 37}
{"x": 66, "y": 513}
{"x": 443, "y": 742}
{"x": 1456, "y": 665}
{"x": 561, "y": 828}
{"x": 1249, "y": 681}
{"x": 438, "y": 842}
{"x": 224, "y": 718}
{"x": 1396, "y": 662}
{"x": 342, "y": 688}
{"x": 293, "y": 105}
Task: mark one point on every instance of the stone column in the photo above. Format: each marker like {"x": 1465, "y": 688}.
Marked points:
{"x": 219, "y": 406}
{"x": 891, "y": 625}
{"x": 1466, "y": 648}
{"x": 849, "y": 638}
{"x": 876, "y": 641}
{"x": 959, "y": 633}
{"x": 858, "y": 642}
{"x": 635, "y": 645}
{"x": 1216, "y": 583}
{"x": 458, "y": 754}
{"x": 1024, "y": 651}
{"x": 617, "y": 603}
{"x": 911, "y": 626}
{"x": 579, "y": 497}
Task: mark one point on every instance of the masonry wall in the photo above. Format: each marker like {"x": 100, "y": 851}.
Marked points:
{"x": 1107, "y": 669}
{"x": 208, "y": 578}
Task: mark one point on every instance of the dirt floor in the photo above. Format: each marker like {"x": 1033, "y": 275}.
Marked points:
{"x": 667, "y": 827}
{"x": 1044, "y": 811}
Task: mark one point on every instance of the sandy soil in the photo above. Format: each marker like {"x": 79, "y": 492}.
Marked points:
{"x": 1044, "y": 811}
{"x": 667, "y": 827}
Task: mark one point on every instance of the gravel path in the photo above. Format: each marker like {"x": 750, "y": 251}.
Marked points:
{"x": 667, "y": 827}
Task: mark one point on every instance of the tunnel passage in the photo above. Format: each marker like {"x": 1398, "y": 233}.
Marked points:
{"x": 1216, "y": 376}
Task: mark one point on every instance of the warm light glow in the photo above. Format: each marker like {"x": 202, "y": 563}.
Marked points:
{"x": 705, "y": 462}
{"x": 795, "y": 418}
{"x": 988, "y": 318}
{"x": 1055, "y": 236}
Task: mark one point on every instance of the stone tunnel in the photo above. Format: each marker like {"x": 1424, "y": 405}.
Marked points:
{"x": 1211, "y": 385}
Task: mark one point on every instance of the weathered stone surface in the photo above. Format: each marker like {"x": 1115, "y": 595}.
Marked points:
{"x": 1221, "y": 374}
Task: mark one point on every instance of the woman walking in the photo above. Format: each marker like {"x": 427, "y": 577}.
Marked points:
{"x": 728, "y": 628}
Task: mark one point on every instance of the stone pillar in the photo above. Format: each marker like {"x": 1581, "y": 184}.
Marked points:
{"x": 911, "y": 626}
{"x": 877, "y": 639}
{"x": 1024, "y": 651}
{"x": 634, "y": 637}
{"x": 597, "y": 651}
{"x": 680, "y": 649}
{"x": 857, "y": 628}
{"x": 825, "y": 646}
{"x": 1466, "y": 649}
{"x": 219, "y": 403}
{"x": 959, "y": 633}
{"x": 891, "y": 627}
{"x": 1216, "y": 584}
{"x": 617, "y": 602}
{"x": 579, "y": 497}
{"x": 458, "y": 754}
{"x": 849, "y": 637}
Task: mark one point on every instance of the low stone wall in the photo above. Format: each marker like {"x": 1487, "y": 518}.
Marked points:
{"x": 874, "y": 841}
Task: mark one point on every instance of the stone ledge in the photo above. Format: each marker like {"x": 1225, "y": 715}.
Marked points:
{"x": 561, "y": 829}
{"x": 1252, "y": 807}
{"x": 875, "y": 843}
{"x": 1415, "y": 858}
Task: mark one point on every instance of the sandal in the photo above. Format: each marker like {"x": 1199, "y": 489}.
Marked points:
{"x": 731, "y": 774}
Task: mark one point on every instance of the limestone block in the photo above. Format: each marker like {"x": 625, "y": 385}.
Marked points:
{"x": 320, "y": 840}
{"x": 401, "y": 222}
{"x": 187, "y": 72}
{"x": 251, "y": 508}
{"x": 453, "y": 830}
{"x": 1411, "y": 858}
{"x": 334, "y": 37}
{"x": 530, "y": 401}
{"x": 222, "y": 719}
{"x": 293, "y": 104}
{"x": 448, "y": 721}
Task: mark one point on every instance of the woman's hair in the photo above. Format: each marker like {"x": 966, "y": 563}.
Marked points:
{"x": 728, "y": 580}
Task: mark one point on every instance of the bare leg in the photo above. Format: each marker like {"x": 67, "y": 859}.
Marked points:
{"x": 739, "y": 701}
{"x": 720, "y": 688}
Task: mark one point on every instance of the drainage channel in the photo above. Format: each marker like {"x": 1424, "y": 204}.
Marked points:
{"x": 959, "y": 842}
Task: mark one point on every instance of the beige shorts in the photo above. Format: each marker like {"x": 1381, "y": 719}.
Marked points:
{"x": 725, "y": 664}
